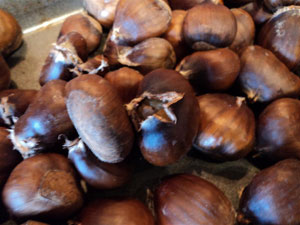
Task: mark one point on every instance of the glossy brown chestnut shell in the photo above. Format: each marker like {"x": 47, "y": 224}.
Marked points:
{"x": 190, "y": 200}
{"x": 209, "y": 26}
{"x": 273, "y": 5}
{"x": 4, "y": 74}
{"x": 10, "y": 33}
{"x": 9, "y": 158}
{"x": 116, "y": 212}
{"x": 273, "y": 196}
{"x": 214, "y": 70}
{"x": 188, "y": 4}
{"x": 281, "y": 35}
{"x": 98, "y": 115}
{"x": 159, "y": 114}
{"x": 44, "y": 120}
{"x": 126, "y": 81}
{"x": 226, "y": 128}
{"x": 13, "y": 104}
{"x": 87, "y": 26}
{"x": 278, "y": 130}
{"x": 97, "y": 174}
{"x": 264, "y": 77}
{"x": 43, "y": 186}
{"x": 258, "y": 12}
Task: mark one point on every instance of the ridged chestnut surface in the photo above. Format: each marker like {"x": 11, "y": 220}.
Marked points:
{"x": 214, "y": 70}
{"x": 43, "y": 186}
{"x": 209, "y": 26}
{"x": 273, "y": 196}
{"x": 116, "y": 212}
{"x": 281, "y": 35}
{"x": 44, "y": 120}
{"x": 226, "y": 127}
{"x": 165, "y": 114}
{"x": 278, "y": 132}
{"x": 264, "y": 77}
{"x": 190, "y": 200}
{"x": 98, "y": 115}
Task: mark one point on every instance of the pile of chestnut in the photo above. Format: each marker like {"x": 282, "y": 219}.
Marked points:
{"x": 220, "y": 78}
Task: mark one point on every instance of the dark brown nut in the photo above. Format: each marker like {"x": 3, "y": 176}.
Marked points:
{"x": 43, "y": 186}
{"x": 236, "y": 3}
{"x": 97, "y": 174}
{"x": 190, "y": 200}
{"x": 8, "y": 157}
{"x": 174, "y": 34}
{"x": 151, "y": 54}
{"x": 96, "y": 65}
{"x": 264, "y": 77}
{"x": 87, "y": 26}
{"x": 4, "y": 72}
{"x": 214, "y": 70}
{"x": 69, "y": 51}
{"x": 274, "y": 5}
{"x": 116, "y": 212}
{"x": 98, "y": 115}
{"x": 188, "y": 4}
{"x": 281, "y": 35}
{"x": 165, "y": 114}
{"x": 278, "y": 131}
{"x": 10, "y": 33}
{"x": 209, "y": 26}
{"x": 103, "y": 10}
{"x": 226, "y": 127}
{"x": 13, "y": 104}
{"x": 126, "y": 81}
{"x": 44, "y": 120}
{"x": 31, "y": 222}
{"x": 273, "y": 196}
{"x": 245, "y": 31}
{"x": 258, "y": 12}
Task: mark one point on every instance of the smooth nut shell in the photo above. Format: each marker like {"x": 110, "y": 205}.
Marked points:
{"x": 278, "y": 130}
{"x": 226, "y": 128}
{"x": 208, "y": 26}
{"x": 190, "y": 200}
{"x": 98, "y": 115}
{"x": 43, "y": 186}
{"x": 4, "y": 74}
{"x": 214, "y": 70}
{"x": 264, "y": 77}
{"x": 116, "y": 212}
{"x": 188, "y": 4}
{"x": 10, "y": 33}
{"x": 273, "y": 5}
{"x": 273, "y": 196}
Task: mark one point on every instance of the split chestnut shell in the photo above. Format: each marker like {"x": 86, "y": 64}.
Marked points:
{"x": 97, "y": 113}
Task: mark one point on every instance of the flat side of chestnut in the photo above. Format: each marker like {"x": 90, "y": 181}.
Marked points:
{"x": 98, "y": 115}
{"x": 166, "y": 115}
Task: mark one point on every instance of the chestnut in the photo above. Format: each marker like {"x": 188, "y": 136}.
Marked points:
{"x": 43, "y": 186}
{"x": 258, "y": 12}
{"x": 273, "y": 196}
{"x": 13, "y": 104}
{"x": 274, "y": 5}
{"x": 208, "y": 26}
{"x": 97, "y": 174}
{"x": 278, "y": 132}
{"x": 103, "y": 10}
{"x": 188, "y": 4}
{"x": 98, "y": 115}
{"x": 87, "y": 26}
{"x": 159, "y": 114}
{"x": 4, "y": 72}
{"x": 190, "y": 200}
{"x": 96, "y": 65}
{"x": 151, "y": 54}
{"x": 281, "y": 35}
{"x": 264, "y": 77}
{"x": 44, "y": 120}
{"x": 8, "y": 157}
{"x": 213, "y": 70}
{"x": 226, "y": 127}
{"x": 245, "y": 30}
{"x": 10, "y": 33}
{"x": 69, "y": 51}
{"x": 32, "y": 222}
{"x": 174, "y": 34}
{"x": 116, "y": 212}
{"x": 126, "y": 81}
